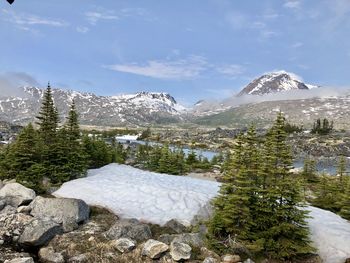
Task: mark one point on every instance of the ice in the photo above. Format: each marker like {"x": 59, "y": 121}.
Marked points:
{"x": 147, "y": 196}
{"x": 157, "y": 198}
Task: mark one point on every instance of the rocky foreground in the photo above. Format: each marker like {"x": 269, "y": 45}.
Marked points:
{"x": 57, "y": 230}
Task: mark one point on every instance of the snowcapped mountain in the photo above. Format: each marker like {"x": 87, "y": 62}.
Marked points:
{"x": 274, "y": 82}
{"x": 132, "y": 109}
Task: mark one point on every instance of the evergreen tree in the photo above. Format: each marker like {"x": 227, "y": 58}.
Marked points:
{"x": 341, "y": 170}
{"x": 345, "y": 202}
{"x": 232, "y": 215}
{"x": 283, "y": 233}
{"x": 309, "y": 172}
{"x": 22, "y": 155}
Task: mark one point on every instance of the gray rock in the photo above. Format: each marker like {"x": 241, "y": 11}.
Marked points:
{"x": 180, "y": 251}
{"x": 193, "y": 239}
{"x": 20, "y": 260}
{"x": 175, "y": 226}
{"x": 17, "y": 194}
{"x": 8, "y": 210}
{"x": 154, "y": 249}
{"x": 248, "y": 261}
{"x": 24, "y": 209}
{"x": 210, "y": 260}
{"x": 67, "y": 211}
{"x": 82, "y": 258}
{"x": 2, "y": 203}
{"x": 231, "y": 258}
{"x": 39, "y": 232}
{"x": 132, "y": 229}
{"x": 48, "y": 255}
{"x": 123, "y": 244}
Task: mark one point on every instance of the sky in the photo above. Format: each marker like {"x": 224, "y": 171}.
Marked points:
{"x": 197, "y": 49}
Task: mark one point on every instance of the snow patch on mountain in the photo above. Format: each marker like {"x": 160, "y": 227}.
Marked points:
{"x": 137, "y": 109}
{"x": 274, "y": 82}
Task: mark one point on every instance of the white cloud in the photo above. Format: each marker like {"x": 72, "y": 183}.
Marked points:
{"x": 25, "y": 20}
{"x": 293, "y": 4}
{"x": 188, "y": 68}
{"x": 94, "y": 17}
{"x": 232, "y": 70}
{"x": 297, "y": 45}
{"x": 82, "y": 29}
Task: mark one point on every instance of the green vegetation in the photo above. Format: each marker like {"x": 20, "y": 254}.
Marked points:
{"x": 333, "y": 192}
{"x": 56, "y": 154}
{"x": 163, "y": 159}
{"x": 322, "y": 127}
{"x": 259, "y": 202}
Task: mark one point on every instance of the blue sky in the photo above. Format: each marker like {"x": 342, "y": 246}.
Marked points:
{"x": 193, "y": 49}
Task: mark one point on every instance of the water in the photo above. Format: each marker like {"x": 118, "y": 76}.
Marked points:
{"x": 199, "y": 152}
{"x": 328, "y": 166}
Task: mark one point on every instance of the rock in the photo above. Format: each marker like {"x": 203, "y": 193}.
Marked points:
{"x": 2, "y": 204}
{"x": 231, "y": 258}
{"x": 347, "y": 260}
{"x": 248, "y": 261}
{"x": 123, "y": 244}
{"x": 193, "y": 239}
{"x": 24, "y": 209}
{"x": 48, "y": 255}
{"x": 8, "y": 210}
{"x": 12, "y": 226}
{"x": 20, "y": 260}
{"x": 176, "y": 226}
{"x": 209, "y": 254}
{"x": 210, "y": 260}
{"x": 67, "y": 211}
{"x": 180, "y": 251}
{"x": 154, "y": 249}
{"x": 39, "y": 232}
{"x": 129, "y": 229}
{"x": 17, "y": 194}
{"x": 82, "y": 258}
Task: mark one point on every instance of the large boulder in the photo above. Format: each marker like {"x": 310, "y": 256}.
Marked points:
{"x": 129, "y": 228}
{"x": 180, "y": 251}
{"x": 39, "y": 232}
{"x": 67, "y": 211}
{"x": 48, "y": 255}
{"x": 154, "y": 249}
{"x": 17, "y": 194}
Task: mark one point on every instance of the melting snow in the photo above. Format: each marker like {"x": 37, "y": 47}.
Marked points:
{"x": 157, "y": 198}
{"x": 148, "y": 196}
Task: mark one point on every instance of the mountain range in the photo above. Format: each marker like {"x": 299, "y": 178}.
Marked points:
{"x": 257, "y": 102}
{"x": 133, "y": 109}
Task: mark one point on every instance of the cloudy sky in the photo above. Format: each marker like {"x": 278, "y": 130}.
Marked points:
{"x": 192, "y": 49}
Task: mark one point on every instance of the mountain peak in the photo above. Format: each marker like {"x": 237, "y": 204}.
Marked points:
{"x": 272, "y": 82}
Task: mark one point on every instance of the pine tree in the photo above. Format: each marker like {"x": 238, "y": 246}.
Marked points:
{"x": 23, "y": 154}
{"x": 48, "y": 118}
{"x": 341, "y": 170}
{"x": 76, "y": 156}
{"x": 283, "y": 232}
{"x": 232, "y": 215}
{"x": 345, "y": 202}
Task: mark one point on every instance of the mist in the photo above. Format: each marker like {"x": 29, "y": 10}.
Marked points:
{"x": 235, "y": 101}
{"x": 10, "y": 83}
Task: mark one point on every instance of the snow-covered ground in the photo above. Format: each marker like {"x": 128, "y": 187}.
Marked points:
{"x": 157, "y": 198}
{"x": 330, "y": 234}
{"x": 133, "y": 193}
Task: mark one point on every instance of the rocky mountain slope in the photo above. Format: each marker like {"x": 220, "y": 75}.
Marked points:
{"x": 274, "y": 82}
{"x": 299, "y": 111}
{"x": 133, "y": 109}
